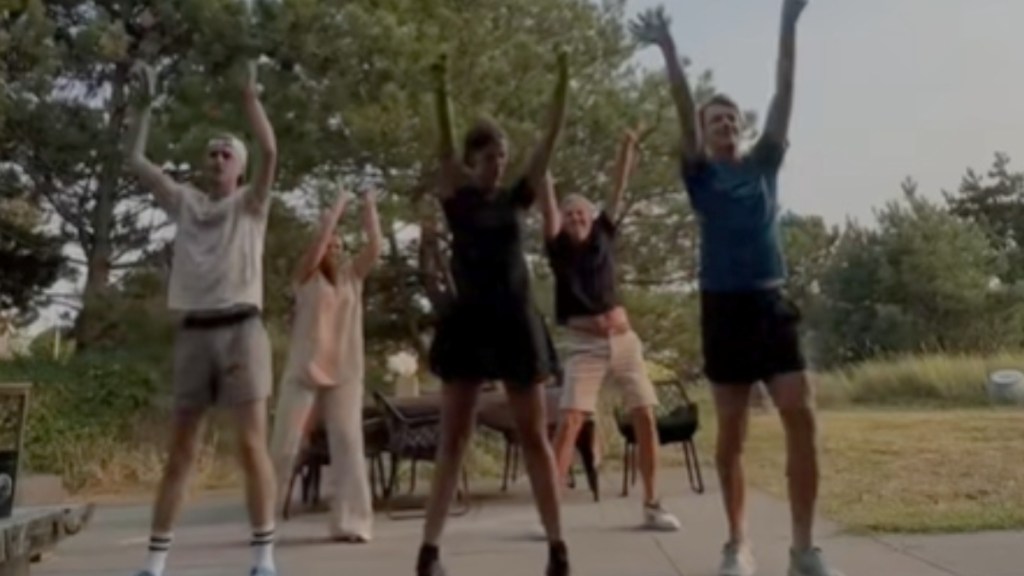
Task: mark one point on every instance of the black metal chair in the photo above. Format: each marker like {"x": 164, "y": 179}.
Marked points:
{"x": 413, "y": 438}
{"x": 677, "y": 419}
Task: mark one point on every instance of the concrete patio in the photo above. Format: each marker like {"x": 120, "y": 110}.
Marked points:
{"x": 498, "y": 538}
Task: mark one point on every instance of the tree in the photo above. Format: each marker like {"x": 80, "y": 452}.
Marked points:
{"x": 995, "y": 202}
{"x": 30, "y": 259}
{"x": 921, "y": 281}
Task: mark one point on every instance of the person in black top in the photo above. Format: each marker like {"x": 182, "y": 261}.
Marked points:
{"x": 601, "y": 344}
{"x": 492, "y": 331}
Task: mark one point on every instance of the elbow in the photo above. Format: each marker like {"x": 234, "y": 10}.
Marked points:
{"x": 269, "y": 152}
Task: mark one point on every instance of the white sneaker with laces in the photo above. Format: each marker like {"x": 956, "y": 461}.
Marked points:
{"x": 657, "y": 518}
{"x": 736, "y": 560}
{"x": 809, "y": 563}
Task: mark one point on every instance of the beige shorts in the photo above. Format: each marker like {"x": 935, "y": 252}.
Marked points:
{"x": 592, "y": 359}
{"x": 224, "y": 365}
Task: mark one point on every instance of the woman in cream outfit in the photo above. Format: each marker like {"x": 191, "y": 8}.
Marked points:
{"x": 325, "y": 368}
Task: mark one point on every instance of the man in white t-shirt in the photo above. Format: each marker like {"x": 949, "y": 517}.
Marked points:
{"x": 222, "y": 351}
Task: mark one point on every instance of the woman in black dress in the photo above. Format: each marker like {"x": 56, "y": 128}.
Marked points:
{"x": 492, "y": 331}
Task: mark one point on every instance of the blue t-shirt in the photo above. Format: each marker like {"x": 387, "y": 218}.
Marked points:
{"x": 737, "y": 208}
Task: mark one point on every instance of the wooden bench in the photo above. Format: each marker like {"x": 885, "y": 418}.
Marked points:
{"x": 33, "y": 531}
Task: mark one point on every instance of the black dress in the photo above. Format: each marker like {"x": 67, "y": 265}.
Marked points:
{"x": 492, "y": 330}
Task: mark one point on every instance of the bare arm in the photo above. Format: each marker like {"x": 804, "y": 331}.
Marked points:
{"x": 310, "y": 260}
{"x": 549, "y": 209}
{"x": 537, "y": 170}
{"x": 164, "y": 188}
{"x": 265, "y": 171}
{"x": 623, "y": 168}
{"x": 370, "y": 253}
{"x": 451, "y": 168}
{"x": 652, "y": 27}
{"x": 780, "y": 111}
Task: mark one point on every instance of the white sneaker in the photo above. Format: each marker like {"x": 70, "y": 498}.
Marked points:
{"x": 809, "y": 563}
{"x": 657, "y": 518}
{"x": 737, "y": 560}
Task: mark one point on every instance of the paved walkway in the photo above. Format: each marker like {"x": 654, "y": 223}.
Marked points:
{"x": 497, "y": 538}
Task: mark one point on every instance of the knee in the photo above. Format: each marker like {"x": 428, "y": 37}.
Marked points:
{"x": 799, "y": 421}
{"x": 182, "y": 456}
{"x": 570, "y": 422}
{"x": 643, "y": 417}
{"x": 251, "y": 446}
{"x": 731, "y": 438}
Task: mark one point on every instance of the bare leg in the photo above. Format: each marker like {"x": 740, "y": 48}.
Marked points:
{"x": 186, "y": 432}
{"x": 569, "y": 425}
{"x": 260, "y": 486}
{"x": 793, "y": 397}
{"x": 732, "y": 403}
{"x": 458, "y": 411}
{"x": 530, "y": 412}
{"x": 647, "y": 446}
{"x": 294, "y": 405}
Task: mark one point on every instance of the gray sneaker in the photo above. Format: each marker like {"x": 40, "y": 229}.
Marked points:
{"x": 809, "y": 563}
{"x": 263, "y": 571}
{"x": 737, "y": 560}
{"x": 145, "y": 573}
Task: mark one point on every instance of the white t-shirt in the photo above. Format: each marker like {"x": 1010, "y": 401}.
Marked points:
{"x": 218, "y": 250}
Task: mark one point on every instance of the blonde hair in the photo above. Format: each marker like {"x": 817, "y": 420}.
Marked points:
{"x": 235, "y": 144}
{"x": 574, "y": 198}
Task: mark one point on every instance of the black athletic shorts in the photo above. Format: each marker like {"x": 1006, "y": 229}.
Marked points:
{"x": 750, "y": 336}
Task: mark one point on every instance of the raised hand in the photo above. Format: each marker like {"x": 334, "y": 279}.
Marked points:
{"x": 250, "y": 78}
{"x": 652, "y": 26}
{"x": 791, "y": 10}
{"x": 439, "y": 69}
{"x": 145, "y": 75}
{"x": 344, "y": 197}
{"x": 371, "y": 195}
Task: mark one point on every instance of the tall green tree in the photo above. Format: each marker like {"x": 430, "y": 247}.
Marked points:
{"x": 921, "y": 281}
{"x": 995, "y": 202}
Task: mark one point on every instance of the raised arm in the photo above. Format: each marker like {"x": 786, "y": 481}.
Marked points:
{"x": 452, "y": 170}
{"x": 310, "y": 260}
{"x": 653, "y": 27}
{"x": 370, "y": 253}
{"x": 624, "y": 162}
{"x": 164, "y": 188}
{"x": 549, "y": 208}
{"x": 777, "y": 123}
{"x": 537, "y": 170}
{"x": 263, "y": 175}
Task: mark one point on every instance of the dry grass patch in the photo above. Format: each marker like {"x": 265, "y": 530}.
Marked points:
{"x": 908, "y": 471}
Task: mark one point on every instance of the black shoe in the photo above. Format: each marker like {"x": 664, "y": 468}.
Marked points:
{"x": 429, "y": 562}
{"x": 558, "y": 560}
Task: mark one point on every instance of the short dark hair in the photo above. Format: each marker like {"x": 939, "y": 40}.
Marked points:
{"x": 484, "y": 133}
{"x": 717, "y": 100}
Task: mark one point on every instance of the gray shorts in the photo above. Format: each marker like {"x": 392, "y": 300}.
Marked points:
{"x": 225, "y": 363}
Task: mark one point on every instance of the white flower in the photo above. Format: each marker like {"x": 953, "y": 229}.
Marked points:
{"x": 403, "y": 363}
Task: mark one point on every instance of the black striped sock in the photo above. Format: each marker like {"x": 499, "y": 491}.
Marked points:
{"x": 262, "y": 537}
{"x": 159, "y": 543}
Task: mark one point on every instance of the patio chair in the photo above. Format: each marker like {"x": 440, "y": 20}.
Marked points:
{"x": 677, "y": 421}
{"x": 413, "y": 438}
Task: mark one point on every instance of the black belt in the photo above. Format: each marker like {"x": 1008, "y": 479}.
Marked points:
{"x": 219, "y": 319}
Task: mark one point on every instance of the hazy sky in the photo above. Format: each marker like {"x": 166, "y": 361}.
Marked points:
{"x": 885, "y": 89}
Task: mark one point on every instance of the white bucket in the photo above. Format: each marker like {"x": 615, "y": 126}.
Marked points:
{"x": 1006, "y": 387}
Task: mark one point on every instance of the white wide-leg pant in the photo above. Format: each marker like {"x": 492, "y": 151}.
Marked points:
{"x": 342, "y": 409}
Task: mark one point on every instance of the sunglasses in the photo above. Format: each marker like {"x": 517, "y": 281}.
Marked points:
{"x": 220, "y": 154}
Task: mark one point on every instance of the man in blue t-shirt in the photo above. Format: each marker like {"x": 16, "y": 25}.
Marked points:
{"x": 749, "y": 328}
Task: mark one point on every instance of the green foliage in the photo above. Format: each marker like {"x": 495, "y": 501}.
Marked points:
{"x": 82, "y": 403}
{"x": 920, "y": 282}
